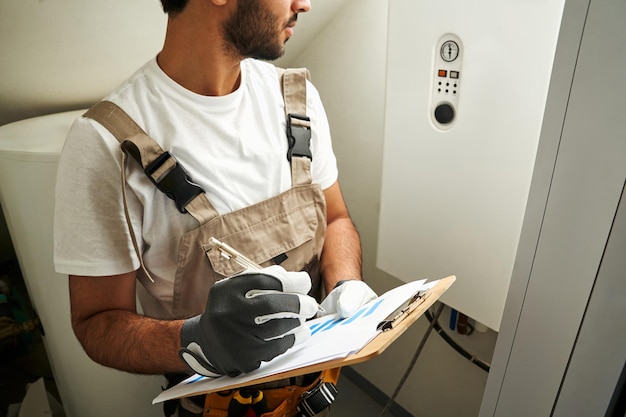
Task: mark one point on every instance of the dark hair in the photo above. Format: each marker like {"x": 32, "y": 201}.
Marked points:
{"x": 173, "y": 6}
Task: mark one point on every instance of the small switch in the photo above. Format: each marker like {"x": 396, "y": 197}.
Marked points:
{"x": 442, "y": 73}
{"x": 454, "y": 74}
{"x": 444, "y": 113}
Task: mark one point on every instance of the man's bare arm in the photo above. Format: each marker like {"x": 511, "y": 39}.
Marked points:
{"x": 105, "y": 322}
{"x": 341, "y": 257}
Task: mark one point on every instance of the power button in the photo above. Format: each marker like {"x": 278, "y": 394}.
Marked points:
{"x": 444, "y": 113}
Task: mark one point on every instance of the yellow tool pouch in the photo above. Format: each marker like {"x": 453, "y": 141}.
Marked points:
{"x": 288, "y": 401}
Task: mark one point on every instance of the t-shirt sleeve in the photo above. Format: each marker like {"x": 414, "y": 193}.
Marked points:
{"x": 91, "y": 235}
{"x": 324, "y": 164}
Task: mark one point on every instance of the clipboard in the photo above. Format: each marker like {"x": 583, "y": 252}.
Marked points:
{"x": 381, "y": 342}
{"x": 390, "y": 329}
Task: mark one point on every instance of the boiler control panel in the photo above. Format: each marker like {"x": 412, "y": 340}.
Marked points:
{"x": 446, "y": 81}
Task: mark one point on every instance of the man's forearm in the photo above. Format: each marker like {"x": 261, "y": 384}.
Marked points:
{"x": 133, "y": 343}
{"x": 341, "y": 257}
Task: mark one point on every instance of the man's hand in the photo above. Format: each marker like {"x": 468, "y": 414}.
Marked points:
{"x": 251, "y": 317}
{"x": 347, "y": 297}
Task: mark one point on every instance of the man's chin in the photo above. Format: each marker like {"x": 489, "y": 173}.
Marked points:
{"x": 269, "y": 56}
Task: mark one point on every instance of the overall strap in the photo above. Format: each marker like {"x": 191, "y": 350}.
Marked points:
{"x": 293, "y": 86}
{"x": 160, "y": 166}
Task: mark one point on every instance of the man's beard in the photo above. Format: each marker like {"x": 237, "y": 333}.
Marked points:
{"x": 253, "y": 32}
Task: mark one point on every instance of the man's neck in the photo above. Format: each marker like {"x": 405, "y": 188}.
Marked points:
{"x": 197, "y": 60}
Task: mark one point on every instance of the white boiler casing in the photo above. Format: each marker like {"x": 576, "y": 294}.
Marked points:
{"x": 29, "y": 153}
{"x": 454, "y": 193}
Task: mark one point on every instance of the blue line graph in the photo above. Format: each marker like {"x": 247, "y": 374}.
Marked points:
{"x": 329, "y": 324}
{"x": 197, "y": 378}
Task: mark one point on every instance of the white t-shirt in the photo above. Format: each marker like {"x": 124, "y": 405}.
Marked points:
{"x": 233, "y": 146}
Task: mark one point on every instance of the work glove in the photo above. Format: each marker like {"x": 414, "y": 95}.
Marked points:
{"x": 251, "y": 317}
{"x": 347, "y": 296}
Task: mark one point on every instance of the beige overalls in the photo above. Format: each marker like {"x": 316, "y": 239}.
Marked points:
{"x": 287, "y": 229}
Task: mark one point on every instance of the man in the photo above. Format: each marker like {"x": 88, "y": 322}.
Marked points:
{"x": 219, "y": 111}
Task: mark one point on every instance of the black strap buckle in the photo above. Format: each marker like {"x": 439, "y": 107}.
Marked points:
{"x": 299, "y": 137}
{"x": 316, "y": 400}
{"x": 175, "y": 183}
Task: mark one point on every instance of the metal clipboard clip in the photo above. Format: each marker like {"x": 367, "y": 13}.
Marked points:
{"x": 403, "y": 311}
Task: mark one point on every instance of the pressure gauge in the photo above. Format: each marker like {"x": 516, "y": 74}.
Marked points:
{"x": 449, "y": 51}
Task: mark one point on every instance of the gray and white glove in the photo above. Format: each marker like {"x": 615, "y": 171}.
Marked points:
{"x": 347, "y": 297}
{"x": 251, "y": 317}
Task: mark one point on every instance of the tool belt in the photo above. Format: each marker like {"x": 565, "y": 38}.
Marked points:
{"x": 288, "y": 401}
{"x": 306, "y": 396}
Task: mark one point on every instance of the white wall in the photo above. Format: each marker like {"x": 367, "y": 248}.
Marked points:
{"x": 65, "y": 55}
{"x": 347, "y": 62}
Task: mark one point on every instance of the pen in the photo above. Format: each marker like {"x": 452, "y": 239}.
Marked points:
{"x": 230, "y": 253}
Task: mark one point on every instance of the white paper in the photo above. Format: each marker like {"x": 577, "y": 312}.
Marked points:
{"x": 331, "y": 338}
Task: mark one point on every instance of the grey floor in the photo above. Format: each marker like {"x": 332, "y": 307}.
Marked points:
{"x": 353, "y": 401}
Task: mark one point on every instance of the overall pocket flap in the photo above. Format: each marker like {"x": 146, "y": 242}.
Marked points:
{"x": 262, "y": 241}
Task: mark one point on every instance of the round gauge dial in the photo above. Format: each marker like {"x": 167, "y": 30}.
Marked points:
{"x": 449, "y": 51}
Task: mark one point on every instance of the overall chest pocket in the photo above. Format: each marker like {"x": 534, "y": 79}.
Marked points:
{"x": 281, "y": 239}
